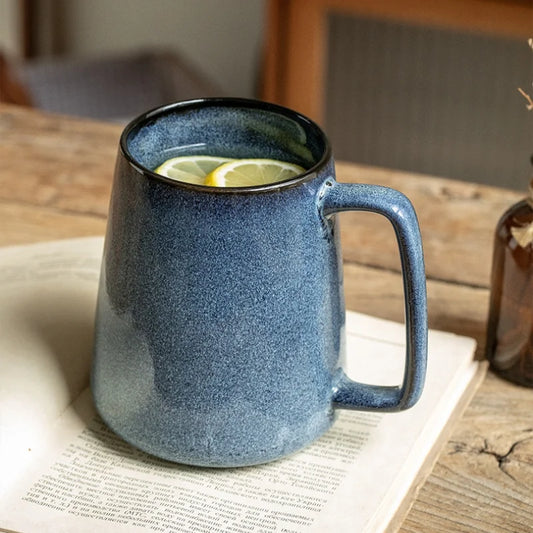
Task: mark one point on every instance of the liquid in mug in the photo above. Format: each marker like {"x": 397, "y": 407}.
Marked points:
{"x": 203, "y": 168}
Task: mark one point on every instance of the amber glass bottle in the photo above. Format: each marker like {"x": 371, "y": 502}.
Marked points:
{"x": 510, "y": 325}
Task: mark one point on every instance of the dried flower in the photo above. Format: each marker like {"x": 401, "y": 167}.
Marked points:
{"x": 529, "y": 104}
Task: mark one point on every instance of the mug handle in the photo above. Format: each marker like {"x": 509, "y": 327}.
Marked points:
{"x": 397, "y": 208}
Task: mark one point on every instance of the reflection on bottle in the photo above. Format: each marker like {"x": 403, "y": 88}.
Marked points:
{"x": 510, "y": 325}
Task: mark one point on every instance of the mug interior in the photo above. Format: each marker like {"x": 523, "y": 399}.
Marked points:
{"x": 225, "y": 127}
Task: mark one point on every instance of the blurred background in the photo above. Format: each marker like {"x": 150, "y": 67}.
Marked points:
{"x": 423, "y": 86}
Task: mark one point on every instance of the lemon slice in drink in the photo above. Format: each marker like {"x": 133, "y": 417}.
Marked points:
{"x": 250, "y": 172}
{"x": 190, "y": 168}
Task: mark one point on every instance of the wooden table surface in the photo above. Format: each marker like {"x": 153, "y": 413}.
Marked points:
{"x": 55, "y": 180}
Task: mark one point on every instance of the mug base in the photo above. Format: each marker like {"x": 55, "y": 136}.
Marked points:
{"x": 203, "y": 450}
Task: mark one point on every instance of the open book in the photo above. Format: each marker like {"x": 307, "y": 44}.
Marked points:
{"x": 62, "y": 469}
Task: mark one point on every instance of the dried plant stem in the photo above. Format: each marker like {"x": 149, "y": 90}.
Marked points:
{"x": 529, "y": 104}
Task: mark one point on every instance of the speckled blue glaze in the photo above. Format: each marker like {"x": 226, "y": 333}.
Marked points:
{"x": 220, "y": 317}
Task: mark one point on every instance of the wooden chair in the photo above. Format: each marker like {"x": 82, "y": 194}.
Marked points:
{"x": 12, "y": 91}
{"x": 296, "y": 37}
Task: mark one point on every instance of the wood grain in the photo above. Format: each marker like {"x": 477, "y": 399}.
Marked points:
{"x": 483, "y": 480}
{"x": 457, "y": 222}
{"x": 55, "y": 180}
{"x": 63, "y": 164}
{"x": 451, "y": 307}
{"x": 24, "y": 224}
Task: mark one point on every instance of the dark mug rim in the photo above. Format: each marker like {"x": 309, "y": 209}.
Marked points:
{"x": 225, "y": 102}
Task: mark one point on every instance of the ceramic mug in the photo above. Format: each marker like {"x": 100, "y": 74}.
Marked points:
{"x": 220, "y": 316}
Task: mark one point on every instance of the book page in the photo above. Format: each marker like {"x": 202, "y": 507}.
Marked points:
{"x": 354, "y": 478}
{"x": 46, "y": 315}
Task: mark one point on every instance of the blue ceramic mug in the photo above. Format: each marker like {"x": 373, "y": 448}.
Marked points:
{"x": 220, "y": 319}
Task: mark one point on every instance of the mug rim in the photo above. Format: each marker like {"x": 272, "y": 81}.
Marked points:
{"x": 250, "y": 103}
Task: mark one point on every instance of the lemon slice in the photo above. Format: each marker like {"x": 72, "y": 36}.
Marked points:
{"x": 190, "y": 168}
{"x": 250, "y": 172}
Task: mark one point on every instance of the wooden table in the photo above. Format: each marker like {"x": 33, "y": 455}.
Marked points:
{"x": 55, "y": 180}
